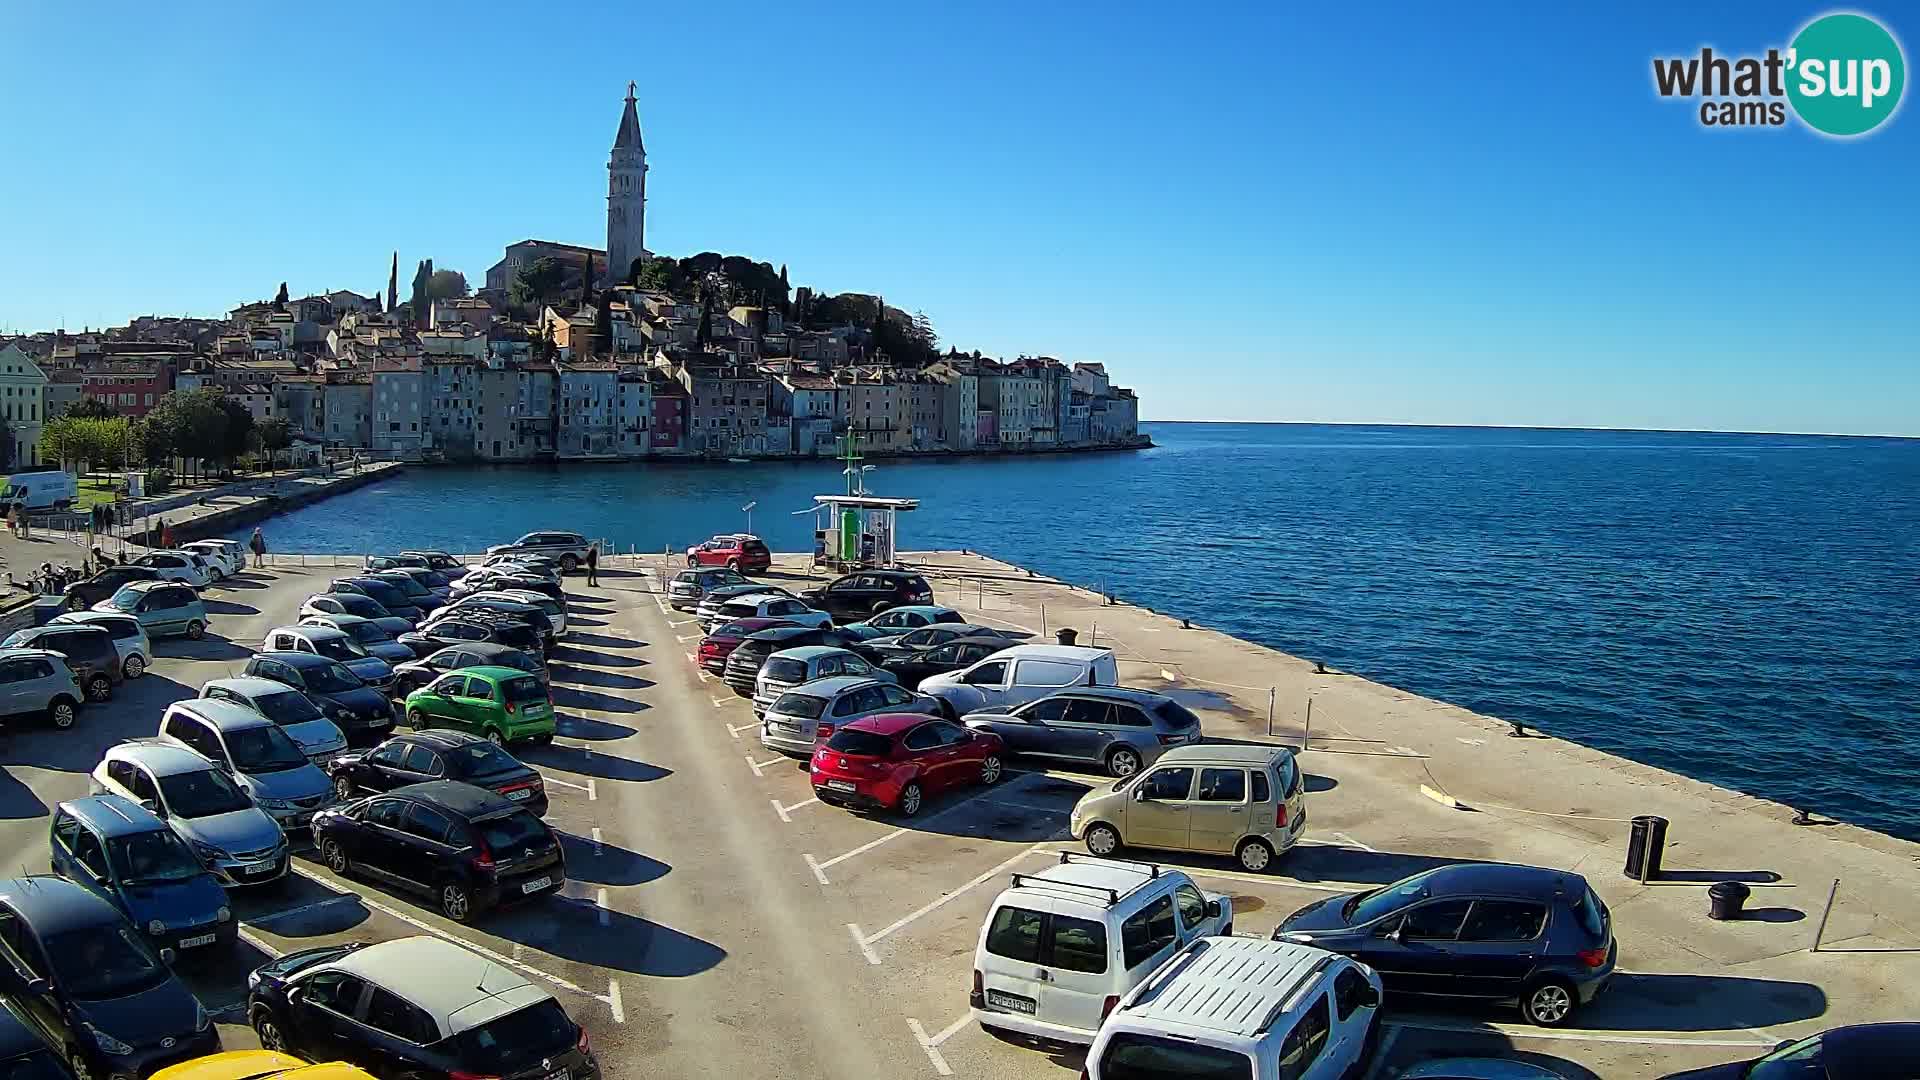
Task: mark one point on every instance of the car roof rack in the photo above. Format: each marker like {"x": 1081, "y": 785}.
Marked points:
{"x": 1152, "y": 869}
{"x": 1028, "y": 881}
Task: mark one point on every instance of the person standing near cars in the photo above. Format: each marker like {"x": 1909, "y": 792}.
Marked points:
{"x": 259, "y": 545}
{"x": 593, "y": 564}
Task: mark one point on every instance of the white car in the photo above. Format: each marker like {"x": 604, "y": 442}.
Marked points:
{"x": 317, "y": 737}
{"x": 769, "y": 606}
{"x": 354, "y": 604}
{"x": 224, "y": 557}
{"x": 186, "y": 567}
{"x": 1021, "y": 674}
{"x": 1060, "y": 947}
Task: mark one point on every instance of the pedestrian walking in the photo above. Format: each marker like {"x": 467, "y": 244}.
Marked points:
{"x": 166, "y": 534}
{"x": 593, "y": 564}
{"x": 259, "y": 545}
{"x": 13, "y": 520}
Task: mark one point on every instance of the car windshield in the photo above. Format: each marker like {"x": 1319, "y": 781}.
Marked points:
{"x": 201, "y": 794}
{"x": 126, "y": 599}
{"x": 517, "y": 1040}
{"x": 799, "y": 705}
{"x": 331, "y": 679}
{"x": 1801, "y": 1061}
{"x": 524, "y": 689}
{"x": 104, "y": 961}
{"x": 337, "y": 648}
{"x": 407, "y": 585}
{"x": 785, "y": 670}
{"x": 287, "y": 707}
{"x": 860, "y": 743}
{"x": 1385, "y": 900}
{"x": 519, "y": 829}
{"x": 517, "y": 660}
{"x": 151, "y": 858}
{"x": 479, "y": 759}
{"x": 738, "y": 629}
{"x": 367, "y": 633}
{"x": 263, "y": 750}
{"x": 364, "y": 606}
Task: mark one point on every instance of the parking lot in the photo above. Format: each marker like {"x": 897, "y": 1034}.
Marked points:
{"x": 718, "y": 917}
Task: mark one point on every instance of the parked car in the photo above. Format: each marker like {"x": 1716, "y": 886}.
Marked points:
{"x": 894, "y": 761}
{"x": 1113, "y": 728}
{"x": 258, "y": 1065}
{"x": 495, "y": 578}
{"x": 498, "y": 703}
{"x": 130, "y": 639}
{"x": 1246, "y": 801}
{"x": 82, "y": 595}
{"x": 387, "y": 593}
{"x": 27, "y": 1051}
{"x": 460, "y": 628}
{"x": 554, "y": 610}
{"x": 418, "y": 593}
{"x": 522, "y": 562}
{"x": 708, "y": 609}
{"x": 742, "y": 671}
{"x": 792, "y": 665}
{"x": 467, "y": 848}
{"x": 797, "y": 720}
{"x": 119, "y": 850}
{"x": 956, "y": 655}
{"x": 38, "y": 683}
{"x": 769, "y": 606}
{"x": 1482, "y": 1068}
{"x": 492, "y": 602}
{"x": 723, "y": 639}
{"x": 164, "y": 608}
{"x": 1060, "y": 948}
{"x": 224, "y": 558}
{"x": 419, "y": 1007}
{"x": 365, "y": 607}
{"x": 363, "y": 714}
{"x": 1494, "y": 931}
{"x": 566, "y": 548}
{"x": 743, "y": 552}
{"x": 334, "y": 644}
{"x": 367, "y": 633}
{"x": 422, "y": 756}
{"x": 891, "y": 644}
{"x": 389, "y": 562}
{"x": 855, "y": 596}
{"x": 441, "y": 561}
{"x": 236, "y": 840}
{"x": 263, "y": 759}
{"x": 89, "y": 651}
{"x": 319, "y": 738}
{"x": 1240, "y": 1007}
{"x": 688, "y": 586}
{"x": 895, "y": 621}
{"x": 415, "y": 674}
{"x": 92, "y": 984}
{"x": 185, "y": 567}
{"x": 1856, "y": 1052}
{"x": 1019, "y": 674}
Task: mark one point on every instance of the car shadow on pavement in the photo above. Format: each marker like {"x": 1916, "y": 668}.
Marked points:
{"x": 578, "y": 620}
{"x": 573, "y": 930}
{"x": 1415, "y": 1045}
{"x": 133, "y": 713}
{"x": 568, "y": 675}
{"x": 242, "y": 581}
{"x": 227, "y": 607}
{"x": 608, "y": 864}
{"x": 207, "y": 648}
{"x": 598, "y": 766}
{"x": 1335, "y": 862}
{"x": 606, "y": 641}
{"x": 568, "y": 726}
{"x": 17, "y": 800}
{"x": 572, "y": 697}
{"x": 568, "y": 655}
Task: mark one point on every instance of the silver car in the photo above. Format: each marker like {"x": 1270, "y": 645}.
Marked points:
{"x": 38, "y": 682}
{"x": 1112, "y": 728}
{"x": 129, "y": 637}
{"x": 566, "y": 548}
{"x": 555, "y": 610}
{"x": 317, "y": 737}
{"x": 789, "y": 668}
{"x": 367, "y": 633}
{"x": 688, "y": 586}
{"x": 708, "y": 609}
{"x": 806, "y": 714}
{"x": 263, "y": 759}
{"x": 334, "y": 644}
{"x": 231, "y": 837}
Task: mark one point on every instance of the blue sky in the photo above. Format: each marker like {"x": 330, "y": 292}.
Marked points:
{"x": 1385, "y": 213}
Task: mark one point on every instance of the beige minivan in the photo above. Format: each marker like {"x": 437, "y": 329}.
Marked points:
{"x": 1246, "y": 801}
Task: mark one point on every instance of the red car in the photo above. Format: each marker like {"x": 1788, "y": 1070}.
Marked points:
{"x": 894, "y": 761}
{"x": 717, "y": 646}
{"x": 743, "y": 552}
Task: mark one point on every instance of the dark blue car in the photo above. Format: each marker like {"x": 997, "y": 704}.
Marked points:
{"x": 363, "y": 714}
{"x": 119, "y": 849}
{"x": 88, "y": 980}
{"x": 1492, "y": 931}
{"x": 1860, "y": 1052}
{"x": 25, "y": 1053}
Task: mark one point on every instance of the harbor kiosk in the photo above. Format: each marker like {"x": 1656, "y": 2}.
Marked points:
{"x": 851, "y": 532}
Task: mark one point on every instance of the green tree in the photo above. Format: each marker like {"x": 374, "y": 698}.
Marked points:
{"x": 91, "y": 407}
{"x": 280, "y": 298}
{"x": 273, "y": 435}
{"x": 56, "y": 440}
{"x": 236, "y": 435}
{"x": 153, "y": 437}
{"x": 446, "y": 284}
{"x": 418, "y": 304}
{"x": 539, "y": 282}
{"x": 196, "y": 423}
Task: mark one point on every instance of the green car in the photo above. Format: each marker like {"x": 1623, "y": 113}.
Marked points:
{"x": 502, "y": 703}
{"x": 164, "y": 608}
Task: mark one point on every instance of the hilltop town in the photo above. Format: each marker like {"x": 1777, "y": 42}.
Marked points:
{"x": 569, "y": 352}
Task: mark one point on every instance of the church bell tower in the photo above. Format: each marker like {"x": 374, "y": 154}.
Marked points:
{"x": 626, "y": 196}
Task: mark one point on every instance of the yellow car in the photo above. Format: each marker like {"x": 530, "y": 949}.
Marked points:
{"x": 258, "y": 1065}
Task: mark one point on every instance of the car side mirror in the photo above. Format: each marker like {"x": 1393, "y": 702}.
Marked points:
{"x": 39, "y": 987}
{"x": 1369, "y": 997}
{"x": 1213, "y": 909}
{"x": 1140, "y": 795}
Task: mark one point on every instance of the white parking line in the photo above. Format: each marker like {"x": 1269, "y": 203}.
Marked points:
{"x": 819, "y": 874}
{"x": 1351, "y": 842}
{"x": 1513, "y": 1032}
{"x": 596, "y": 839}
{"x": 686, "y": 637}
{"x": 953, "y": 1028}
{"x": 600, "y": 901}
{"x": 927, "y": 909}
{"x": 276, "y": 916}
{"x": 551, "y": 779}
{"x": 735, "y": 729}
{"x": 613, "y": 1002}
{"x": 255, "y": 940}
{"x": 1257, "y": 879}
{"x": 757, "y": 766}
{"x": 819, "y": 868}
{"x": 861, "y": 943}
{"x": 784, "y": 811}
{"x": 932, "y": 1048}
{"x": 721, "y": 703}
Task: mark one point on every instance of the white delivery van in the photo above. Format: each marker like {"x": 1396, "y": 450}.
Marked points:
{"x": 1020, "y": 674}
{"x": 39, "y": 489}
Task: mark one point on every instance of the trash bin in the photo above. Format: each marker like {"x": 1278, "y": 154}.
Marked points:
{"x": 1066, "y": 635}
{"x": 1726, "y": 899}
{"x": 1644, "y": 844}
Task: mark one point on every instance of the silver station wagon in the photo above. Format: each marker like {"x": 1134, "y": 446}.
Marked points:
{"x": 814, "y": 711}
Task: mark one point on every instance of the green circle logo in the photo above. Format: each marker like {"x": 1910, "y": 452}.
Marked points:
{"x": 1846, "y": 73}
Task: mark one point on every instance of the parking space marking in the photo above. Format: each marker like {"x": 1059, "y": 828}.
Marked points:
{"x": 1351, "y": 842}
{"x": 563, "y": 783}
{"x": 276, "y": 916}
{"x": 932, "y": 1048}
{"x": 784, "y": 811}
{"x": 257, "y": 942}
{"x": 721, "y": 703}
{"x": 686, "y": 637}
{"x": 757, "y": 766}
{"x": 1381, "y": 1051}
{"x": 860, "y": 943}
{"x": 819, "y": 874}
{"x": 613, "y": 1002}
{"x": 735, "y": 729}
{"x": 596, "y": 840}
{"x": 953, "y": 1028}
{"x": 1514, "y": 1032}
{"x": 819, "y": 868}
{"x": 1256, "y": 879}
{"x": 600, "y": 901}
{"x": 905, "y": 920}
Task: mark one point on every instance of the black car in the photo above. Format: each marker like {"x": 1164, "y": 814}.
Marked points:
{"x": 923, "y": 638}
{"x": 855, "y": 596}
{"x": 89, "y": 650}
{"x": 743, "y": 663}
{"x": 90, "y": 982}
{"x": 526, "y": 613}
{"x": 467, "y": 848}
{"x": 1493, "y": 931}
{"x": 419, "y": 593}
{"x": 459, "y": 628}
{"x": 82, "y": 595}
{"x": 414, "y": 674}
{"x": 438, "y": 755}
{"x": 389, "y": 595}
{"x": 25, "y": 1053}
{"x": 951, "y": 656}
{"x": 363, "y": 714}
{"x": 422, "y": 1008}
{"x": 442, "y": 563}
{"x": 1860, "y": 1052}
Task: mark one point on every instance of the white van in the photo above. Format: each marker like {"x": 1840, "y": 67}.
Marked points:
{"x": 1237, "y": 1007}
{"x": 1021, "y": 674}
{"x": 1059, "y": 949}
{"x": 40, "y": 489}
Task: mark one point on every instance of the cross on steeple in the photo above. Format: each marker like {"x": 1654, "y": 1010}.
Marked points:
{"x": 631, "y": 87}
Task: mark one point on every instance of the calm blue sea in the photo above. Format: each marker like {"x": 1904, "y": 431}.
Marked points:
{"x": 1742, "y": 608}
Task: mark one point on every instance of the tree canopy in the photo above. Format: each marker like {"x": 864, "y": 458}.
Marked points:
{"x": 539, "y": 282}
{"x": 91, "y": 408}
{"x": 446, "y": 284}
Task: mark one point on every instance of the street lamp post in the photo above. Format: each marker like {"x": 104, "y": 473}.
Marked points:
{"x": 748, "y": 509}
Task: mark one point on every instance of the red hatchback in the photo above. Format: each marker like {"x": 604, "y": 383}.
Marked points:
{"x": 894, "y": 761}
{"x": 717, "y": 646}
{"x": 736, "y": 551}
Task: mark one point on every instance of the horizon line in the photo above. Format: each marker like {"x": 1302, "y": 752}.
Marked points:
{"x": 1544, "y": 427}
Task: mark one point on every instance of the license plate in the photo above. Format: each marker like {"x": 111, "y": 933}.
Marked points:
{"x": 535, "y": 886}
{"x": 202, "y": 939}
{"x": 840, "y": 785}
{"x": 523, "y": 793}
{"x": 791, "y": 729}
{"x": 257, "y": 868}
{"x": 1010, "y": 1003}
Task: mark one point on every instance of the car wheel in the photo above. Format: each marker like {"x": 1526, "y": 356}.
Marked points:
{"x": 135, "y": 666}
{"x": 1102, "y": 840}
{"x": 879, "y": 606}
{"x": 99, "y": 688}
{"x": 567, "y": 563}
{"x": 456, "y": 902}
{"x": 77, "y": 1061}
{"x": 196, "y": 630}
{"x": 733, "y": 565}
{"x": 910, "y": 800}
{"x": 62, "y": 712}
{"x": 74, "y": 603}
{"x": 336, "y": 857}
{"x": 1122, "y": 762}
{"x": 990, "y": 770}
{"x": 497, "y": 739}
{"x": 692, "y": 563}
{"x": 343, "y": 787}
{"x": 417, "y": 720}
{"x": 267, "y": 1029}
{"x": 1254, "y": 856}
{"x": 1549, "y": 1003}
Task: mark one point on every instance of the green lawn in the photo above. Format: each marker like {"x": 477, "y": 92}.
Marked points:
{"x": 92, "y": 492}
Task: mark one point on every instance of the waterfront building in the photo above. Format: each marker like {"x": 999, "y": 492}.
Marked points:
{"x": 450, "y": 388}
{"x": 63, "y": 391}
{"x": 959, "y": 404}
{"x": 131, "y": 385}
{"x": 399, "y": 395}
{"x": 346, "y": 409}
{"x": 726, "y": 408}
{"x": 668, "y": 397}
{"x": 633, "y": 410}
{"x": 23, "y": 401}
{"x": 588, "y": 401}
